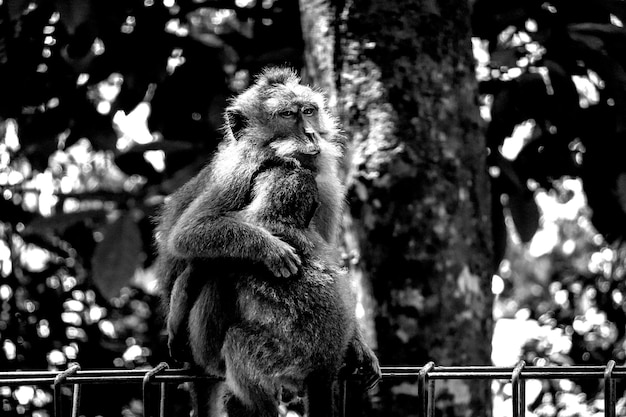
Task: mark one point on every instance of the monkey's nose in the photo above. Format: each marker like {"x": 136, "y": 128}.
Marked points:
{"x": 313, "y": 148}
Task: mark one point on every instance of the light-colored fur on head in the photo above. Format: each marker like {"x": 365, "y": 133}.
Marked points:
{"x": 253, "y": 116}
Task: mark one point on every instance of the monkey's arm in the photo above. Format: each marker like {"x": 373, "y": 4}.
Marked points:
{"x": 205, "y": 231}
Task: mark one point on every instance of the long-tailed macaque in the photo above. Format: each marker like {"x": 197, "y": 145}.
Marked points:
{"x": 223, "y": 243}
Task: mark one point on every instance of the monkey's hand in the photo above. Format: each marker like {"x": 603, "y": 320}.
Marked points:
{"x": 282, "y": 259}
{"x": 362, "y": 362}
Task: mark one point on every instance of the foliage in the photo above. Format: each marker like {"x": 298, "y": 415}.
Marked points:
{"x": 106, "y": 107}
{"x": 560, "y": 302}
{"x": 553, "y": 80}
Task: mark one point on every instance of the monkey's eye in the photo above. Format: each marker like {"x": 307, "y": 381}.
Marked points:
{"x": 287, "y": 114}
{"x": 308, "y": 111}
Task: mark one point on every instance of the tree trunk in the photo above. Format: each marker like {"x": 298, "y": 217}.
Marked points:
{"x": 419, "y": 204}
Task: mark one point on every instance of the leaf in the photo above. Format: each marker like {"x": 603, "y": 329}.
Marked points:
{"x": 602, "y": 57}
{"x": 616, "y": 7}
{"x": 13, "y": 213}
{"x": 521, "y": 201}
{"x": 188, "y": 104}
{"x": 134, "y": 163}
{"x": 117, "y": 256}
{"x": 525, "y": 214}
{"x": 490, "y": 17}
{"x": 604, "y": 34}
{"x": 88, "y": 123}
{"x": 545, "y": 158}
{"x": 60, "y": 222}
{"x": 177, "y": 154}
{"x": 524, "y": 98}
{"x": 620, "y": 190}
{"x": 39, "y": 132}
{"x": 74, "y": 13}
{"x": 604, "y": 190}
{"x": 49, "y": 243}
{"x": 498, "y": 225}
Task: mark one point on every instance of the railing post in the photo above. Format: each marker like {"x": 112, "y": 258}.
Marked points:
{"x": 427, "y": 376}
{"x": 426, "y": 390}
{"x": 76, "y": 400}
{"x": 609, "y": 390}
{"x": 519, "y": 390}
{"x": 343, "y": 392}
{"x": 58, "y": 397}
{"x": 163, "y": 395}
{"x": 147, "y": 379}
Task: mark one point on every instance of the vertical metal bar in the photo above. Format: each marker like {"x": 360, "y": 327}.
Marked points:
{"x": 431, "y": 399}
{"x": 163, "y": 395}
{"x": 519, "y": 390}
{"x": 343, "y": 395}
{"x": 76, "y": 400}
{"x": 610, "y": 394}
{"x": 147, "y": 379}
{"x": 522, "y": 398}
{"x": 422, "y": 389}
{"x": 58, "y": 408}
{"x": 58, "y": 382}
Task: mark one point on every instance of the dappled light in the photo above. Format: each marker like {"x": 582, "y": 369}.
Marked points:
{"x": 549, "y": 77}
{"x": 115, "y": 105}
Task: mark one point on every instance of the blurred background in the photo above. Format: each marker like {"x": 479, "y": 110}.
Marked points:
{"x": 485, "y": 173}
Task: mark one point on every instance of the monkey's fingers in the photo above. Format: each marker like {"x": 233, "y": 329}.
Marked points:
{"x": 292, "y": 256}
{"x": 287, "y": 263}
{"x": 294, "y": 264}
{"x": 291, "y": 268}
{"x": 291, "y": 262}
{"x": 284, "y": 271}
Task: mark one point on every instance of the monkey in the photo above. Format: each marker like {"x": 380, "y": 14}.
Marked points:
{"x": 188, "y": 243}
{"x": 199, "y": 232}
{"x": 184, "y": 240}
{"x": 287, "y": 334}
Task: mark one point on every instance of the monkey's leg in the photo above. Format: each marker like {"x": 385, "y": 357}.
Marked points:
{"x": 320, "y": 395}
{"x": 207, "y": 397}
{"x": 249, "y": 356}
{"x": 259, "y": 404}
{"x": 177, "y": 317}
{"x": 210, "y": 316}
{"x": 249, "y": 400}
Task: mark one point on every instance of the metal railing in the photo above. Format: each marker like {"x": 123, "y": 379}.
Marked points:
{"x": 426, "y": 375}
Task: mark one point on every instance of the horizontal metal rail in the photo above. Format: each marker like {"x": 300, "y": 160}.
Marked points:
{"x": 425, "y": 376}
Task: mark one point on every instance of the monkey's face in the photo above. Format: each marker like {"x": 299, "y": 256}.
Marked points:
{"x": 295, "y": 125}
{"x": 282, "y": 115}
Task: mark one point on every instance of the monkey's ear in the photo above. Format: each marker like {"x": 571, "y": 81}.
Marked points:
{"x": 235, "y": 121}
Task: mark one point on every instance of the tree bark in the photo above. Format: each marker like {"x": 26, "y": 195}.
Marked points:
{"x": 419, "y": 219}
